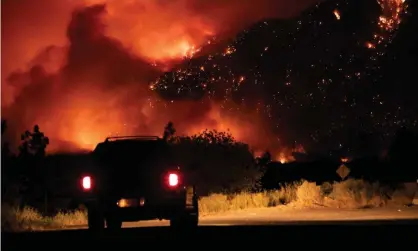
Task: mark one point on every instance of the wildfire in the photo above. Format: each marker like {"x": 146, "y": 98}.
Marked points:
{"x": 158, "y": 31}
{"x": 282, "y": 158}
{"x": 285, "y": 155}
{"x": 86, "y": 102}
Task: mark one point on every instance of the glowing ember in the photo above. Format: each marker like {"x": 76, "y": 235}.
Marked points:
{"x": 370, "y": 45}
{"x": 344, "y": 160}
{"x": 337, "y": 14}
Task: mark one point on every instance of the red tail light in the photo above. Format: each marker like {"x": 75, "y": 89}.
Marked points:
{"x": 86, "y": 182}
{"x": 173, "y": 179}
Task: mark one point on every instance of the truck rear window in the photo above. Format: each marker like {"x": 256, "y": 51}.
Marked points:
{"x": 132, "y": 154}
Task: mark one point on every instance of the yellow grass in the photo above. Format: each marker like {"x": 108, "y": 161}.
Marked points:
{"x": 28, "y": 219}
{"x": 347, "y": 194}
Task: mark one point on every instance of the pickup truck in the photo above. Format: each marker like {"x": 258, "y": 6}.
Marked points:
{"x": 133, "y": 178}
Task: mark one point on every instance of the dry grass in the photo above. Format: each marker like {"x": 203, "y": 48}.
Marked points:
{"x": 218, "y": 203}
{"x": 347, "y": 194}
{"x": 28, "y": 219}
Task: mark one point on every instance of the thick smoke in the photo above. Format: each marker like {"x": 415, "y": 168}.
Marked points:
{"x": 94, "y": 83}
{"x": 167, "y": 28}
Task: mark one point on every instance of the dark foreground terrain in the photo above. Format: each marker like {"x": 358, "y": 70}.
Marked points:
{"x": 360, "y": 234}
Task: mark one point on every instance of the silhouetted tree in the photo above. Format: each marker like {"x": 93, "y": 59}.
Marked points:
{"x": 218, "y": 162}
{"x": 3, "y": 126}
{"x": 32, "y": 155}
{"x": 11, "y": 185}
{"x": 33, "y": 143}
{"x": 169, "y": 131}
{"x": 5, "y": 150}
{"x": 24, "y": 146}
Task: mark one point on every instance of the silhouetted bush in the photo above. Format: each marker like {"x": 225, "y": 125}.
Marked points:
{"x": 217, "y": 162}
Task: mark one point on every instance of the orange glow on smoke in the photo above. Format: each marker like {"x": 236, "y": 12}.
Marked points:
{"x": 215, "y": 122}
{"x": 158, "y": 32}
{"x": 242, "y": 129}
{"x": 77, "y": 121}
{"x": 82, "y": 125}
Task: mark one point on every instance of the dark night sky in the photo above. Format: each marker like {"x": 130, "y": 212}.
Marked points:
{"x": 315, "y": 77}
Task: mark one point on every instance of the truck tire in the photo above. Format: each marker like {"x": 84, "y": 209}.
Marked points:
{"x": 95, "y": 218}
{"x": 188, "y": 218}
{"x": 113, "y": 222}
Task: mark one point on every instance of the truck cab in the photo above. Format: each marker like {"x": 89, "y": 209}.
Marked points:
{"x": 133, "y": 178}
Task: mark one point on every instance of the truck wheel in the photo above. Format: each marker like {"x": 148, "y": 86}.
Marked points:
{"x": 192, "y": 220}
{"x": 95, "y": 219}
{"x": 187, "y": 219}
{"x": 113, "y": 222}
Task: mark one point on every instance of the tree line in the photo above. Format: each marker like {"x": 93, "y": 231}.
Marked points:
{"x": 215, "y": 160}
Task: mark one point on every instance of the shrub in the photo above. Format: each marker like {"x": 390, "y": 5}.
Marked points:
{"x": 217, "y": 162}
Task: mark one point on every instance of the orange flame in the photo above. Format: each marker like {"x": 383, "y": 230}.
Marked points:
{"x": 285, "y": 155}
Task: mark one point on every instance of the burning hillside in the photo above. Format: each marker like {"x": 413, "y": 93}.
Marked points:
{"x": 85, "y": 70}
